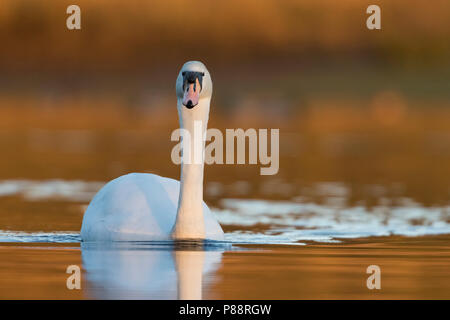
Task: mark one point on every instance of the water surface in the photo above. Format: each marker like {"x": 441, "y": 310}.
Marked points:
{"x": 412, "y": 268}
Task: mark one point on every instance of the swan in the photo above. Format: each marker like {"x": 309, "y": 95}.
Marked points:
{"x": 148, "y": 207}
{"x": 124, "y": 270}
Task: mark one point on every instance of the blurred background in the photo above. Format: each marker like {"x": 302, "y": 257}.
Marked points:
{"x": 364, "y": 116}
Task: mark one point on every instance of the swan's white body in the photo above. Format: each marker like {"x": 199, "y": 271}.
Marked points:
{"x": 147, "y": 207}
{"x": 139, "y": 207}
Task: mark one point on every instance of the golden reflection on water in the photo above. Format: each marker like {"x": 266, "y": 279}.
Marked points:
{"x": 411, "y": 268}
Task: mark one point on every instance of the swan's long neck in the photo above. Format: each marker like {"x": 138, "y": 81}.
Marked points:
{"x": 190, "y": 222}
{"x": 189, "y": 266}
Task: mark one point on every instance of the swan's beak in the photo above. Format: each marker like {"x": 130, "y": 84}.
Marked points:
{"x": 191, "y": 94}
{"x": 192, "y": 85}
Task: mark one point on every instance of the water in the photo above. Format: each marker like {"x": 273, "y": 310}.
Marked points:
{"x": 411, "y": 268}
{"x": 257, "y": 221}
{"x": 301, "y": 248}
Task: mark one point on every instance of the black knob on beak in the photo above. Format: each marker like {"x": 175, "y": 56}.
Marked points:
{"x": 189, "y": 104}
{"x": 191, "y": 77}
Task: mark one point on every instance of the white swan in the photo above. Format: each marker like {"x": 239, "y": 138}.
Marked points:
{"x": 122, "y": 270}
{"x": 147, "y": 207}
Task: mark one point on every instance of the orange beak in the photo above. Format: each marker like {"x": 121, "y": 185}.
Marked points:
{"x": 191, "y": 94}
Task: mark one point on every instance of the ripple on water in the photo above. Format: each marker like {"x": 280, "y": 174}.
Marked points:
{"x": 285, "y": 222}
{"x": 30, "y": 190}
{"x": 292, "y": 222}
{"x": 47, "y": 237}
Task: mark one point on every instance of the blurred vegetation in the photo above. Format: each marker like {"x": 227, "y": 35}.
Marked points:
{"x": 135, "y": 35}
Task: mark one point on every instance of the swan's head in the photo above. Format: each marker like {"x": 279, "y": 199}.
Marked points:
{"x": 193, "y": 84}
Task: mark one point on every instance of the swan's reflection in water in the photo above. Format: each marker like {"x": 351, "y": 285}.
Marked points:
{"x": 164, "y": 270}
